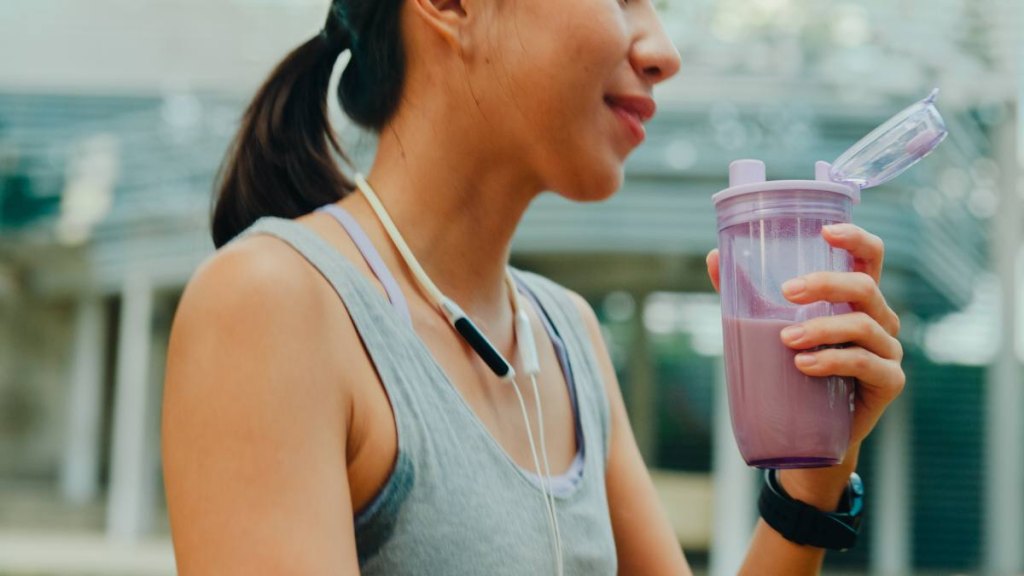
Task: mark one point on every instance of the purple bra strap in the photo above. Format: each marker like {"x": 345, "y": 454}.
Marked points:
{"x": 560, "y": 351}
{"x": 372, "y": 257}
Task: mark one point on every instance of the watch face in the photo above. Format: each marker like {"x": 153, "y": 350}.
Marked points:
{"x": 856, "y": 484}
{"x": 856, "y": 494}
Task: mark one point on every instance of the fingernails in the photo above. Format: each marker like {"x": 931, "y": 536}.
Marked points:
{"x": 793, "y": 333}
{"x": 805, "y": 360}
{"x": 837, "y": 230}
{"x": 794, "y": 287}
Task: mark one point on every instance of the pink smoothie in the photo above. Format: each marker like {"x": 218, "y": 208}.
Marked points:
{"x": 782, "y": 418}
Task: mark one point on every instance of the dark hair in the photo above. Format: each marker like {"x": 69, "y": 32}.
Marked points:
{"x": 281, "y": 162}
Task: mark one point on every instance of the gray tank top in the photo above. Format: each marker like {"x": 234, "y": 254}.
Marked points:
{"x": 455, "y": 502}
{"x": 562, "y": 483}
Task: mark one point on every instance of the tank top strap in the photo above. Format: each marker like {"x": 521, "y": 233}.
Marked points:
{"x": 564, "y": 317}
{"x": 393, "y": 347}
{"x": 372, "y": 257}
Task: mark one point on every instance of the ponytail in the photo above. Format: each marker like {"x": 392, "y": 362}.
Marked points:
{"x": 282, "y": 160}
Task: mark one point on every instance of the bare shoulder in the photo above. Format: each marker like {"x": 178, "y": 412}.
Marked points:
{"x": 258, "y": 294}
{"x": 253, "y": 267}
{"x": 254, "y": 418}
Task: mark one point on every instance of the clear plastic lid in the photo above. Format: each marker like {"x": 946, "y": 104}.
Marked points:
{"x": 890, "y": 149}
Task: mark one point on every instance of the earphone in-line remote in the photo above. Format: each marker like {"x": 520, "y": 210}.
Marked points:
{"x": 525, "y": 344}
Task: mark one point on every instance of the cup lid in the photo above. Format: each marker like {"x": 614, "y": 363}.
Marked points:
{"x": 885, "y": 153}
{"x": 749, "y": 176}
{"x": 893, "y": 147}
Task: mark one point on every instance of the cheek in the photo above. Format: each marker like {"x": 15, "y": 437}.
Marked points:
{"x": 548, "y": 75}
{"x": 568, "y": 83}
{"x": 559, "y": 53}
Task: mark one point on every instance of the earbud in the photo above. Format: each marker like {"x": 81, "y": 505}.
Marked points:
{"x": 524, "y": 340}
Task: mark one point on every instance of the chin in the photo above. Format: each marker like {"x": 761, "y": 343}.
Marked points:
{"x": 598, "y": 182}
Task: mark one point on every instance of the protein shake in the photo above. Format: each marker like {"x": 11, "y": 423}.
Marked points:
{"x": 770, "y": 232}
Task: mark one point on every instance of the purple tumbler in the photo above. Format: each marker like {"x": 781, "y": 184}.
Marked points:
{"x": 770, "y": 232}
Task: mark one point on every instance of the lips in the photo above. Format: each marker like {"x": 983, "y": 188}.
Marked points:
{"x": 633, "y": 111}
{"x": 642, "y": 107}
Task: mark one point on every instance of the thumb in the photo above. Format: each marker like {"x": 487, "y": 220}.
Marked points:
{"x": 712, "y": 262}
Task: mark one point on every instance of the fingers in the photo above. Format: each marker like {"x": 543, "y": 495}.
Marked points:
{"x": 857, "y": 328}
{"x": 884, "y": 377}
{"x": 867, "y": 249}
{"x": 857, "y": 288}
{"x": 713, "y": 268}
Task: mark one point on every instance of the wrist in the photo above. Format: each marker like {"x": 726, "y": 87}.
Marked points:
{"x": 804, "y": 524}
{"x": 820, "y": 487}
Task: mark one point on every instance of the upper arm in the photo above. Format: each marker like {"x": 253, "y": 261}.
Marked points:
{"x": 644, "y": 539}
{"x": 253, "y": 429}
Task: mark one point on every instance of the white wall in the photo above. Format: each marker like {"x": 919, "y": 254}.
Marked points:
{"x": 147, "y": 46}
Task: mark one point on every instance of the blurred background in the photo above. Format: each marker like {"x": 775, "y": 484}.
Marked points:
{"x": 114, "y": 115}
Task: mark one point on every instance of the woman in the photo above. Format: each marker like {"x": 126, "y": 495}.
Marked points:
{"x": 321, "y": 416}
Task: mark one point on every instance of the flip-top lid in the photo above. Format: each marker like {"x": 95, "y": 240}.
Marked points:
{"x": 890, "y": 149}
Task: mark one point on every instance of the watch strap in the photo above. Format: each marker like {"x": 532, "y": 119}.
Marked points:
{"x": 804, "y": 524}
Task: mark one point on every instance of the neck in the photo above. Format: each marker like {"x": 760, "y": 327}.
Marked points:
{"x": 456, "y": 208}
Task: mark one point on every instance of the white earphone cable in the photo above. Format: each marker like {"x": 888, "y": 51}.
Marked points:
{"x": 548, "y": 503}
{"x": 531, "y": 366}
{"x": 547, "y": 472}
{"x": 527, "y": 348}
{"x": 396, "y": 237}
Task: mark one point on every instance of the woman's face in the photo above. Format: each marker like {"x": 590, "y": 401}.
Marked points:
{"x": 552, "y": 79}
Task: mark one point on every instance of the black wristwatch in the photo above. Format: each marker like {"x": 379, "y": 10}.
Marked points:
{"x": 804, "y": 524}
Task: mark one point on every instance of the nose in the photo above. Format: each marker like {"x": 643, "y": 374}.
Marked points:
{"x": 653, "y": 55}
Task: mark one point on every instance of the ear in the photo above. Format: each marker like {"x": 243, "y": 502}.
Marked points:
{"x": 446, "y": 17}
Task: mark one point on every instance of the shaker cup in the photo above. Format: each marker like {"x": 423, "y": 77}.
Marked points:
{"x": 770, "y": 232}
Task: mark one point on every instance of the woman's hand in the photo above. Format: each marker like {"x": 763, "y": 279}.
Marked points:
{"x": 874, "y": 355}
